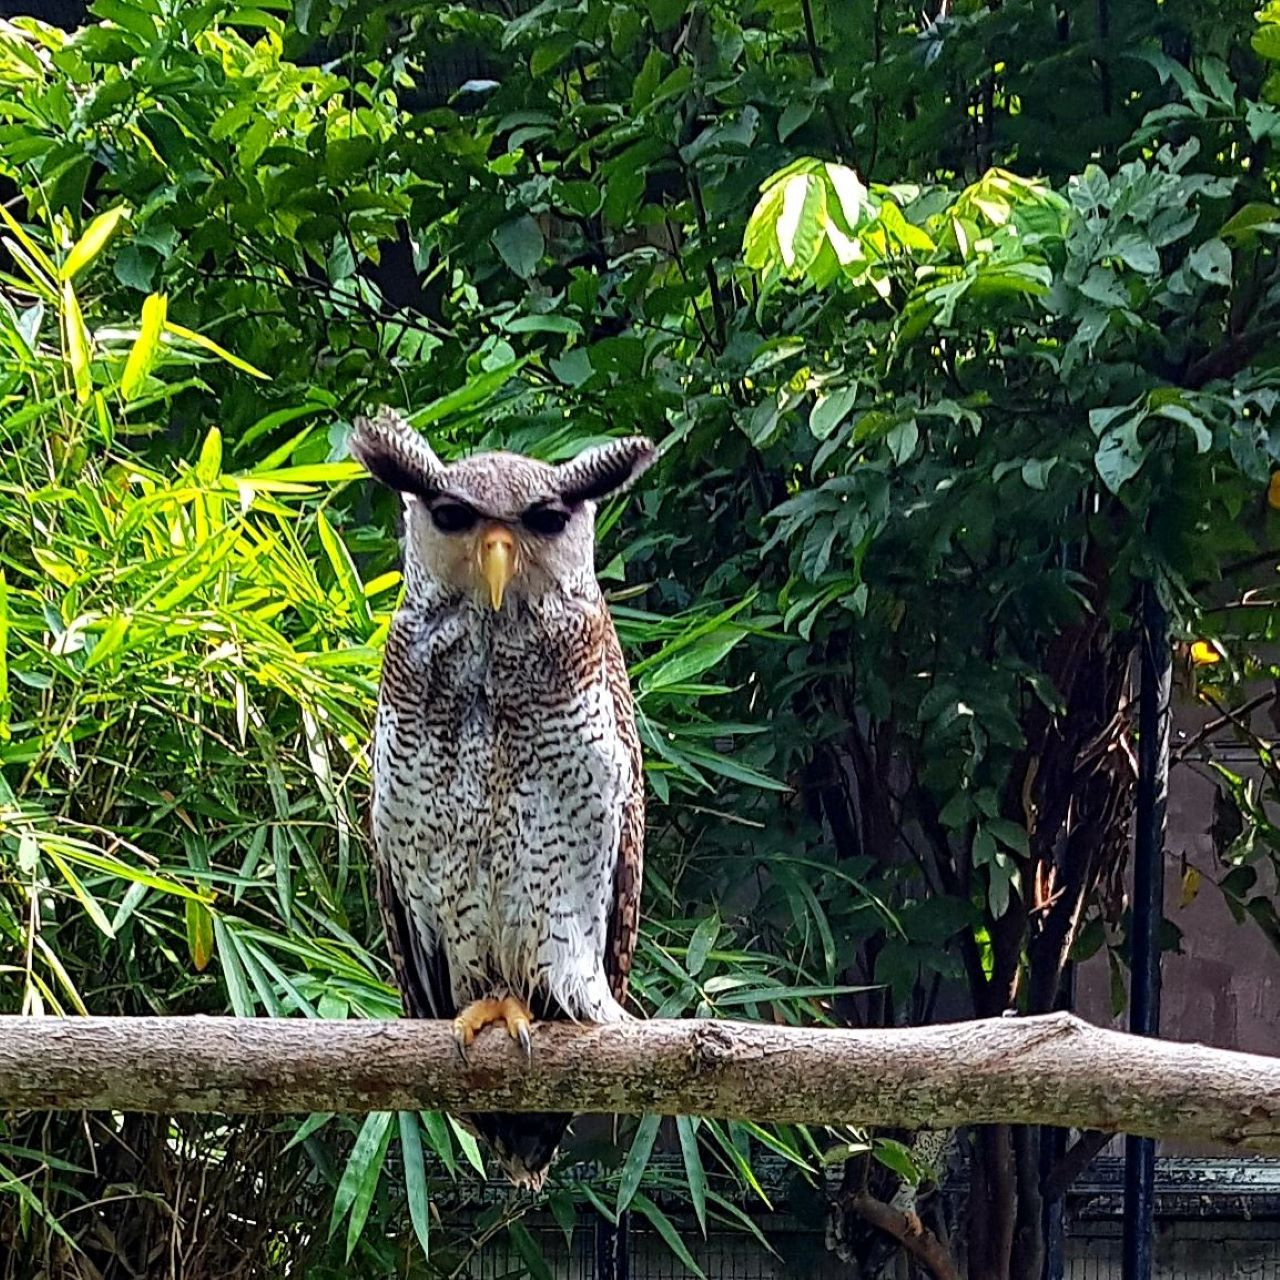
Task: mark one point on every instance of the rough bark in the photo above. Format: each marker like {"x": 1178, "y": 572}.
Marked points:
{"x": 1054, "y": 1069}
{"x": 909, "y": 1231}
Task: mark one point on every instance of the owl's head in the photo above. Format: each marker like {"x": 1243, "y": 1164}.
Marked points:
{"x": 497, "y": 524}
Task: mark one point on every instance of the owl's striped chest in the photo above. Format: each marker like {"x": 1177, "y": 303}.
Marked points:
{"x": 500, "y": 781}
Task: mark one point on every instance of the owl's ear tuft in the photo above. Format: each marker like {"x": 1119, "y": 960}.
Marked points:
{"x": 607, "y": 468}
{"x": 396, "y": 454}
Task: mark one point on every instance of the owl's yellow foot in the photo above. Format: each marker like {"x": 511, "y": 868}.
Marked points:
{"x": 480, "y": 1013}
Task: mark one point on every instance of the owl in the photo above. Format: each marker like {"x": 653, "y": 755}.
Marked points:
{"x": 508, "y": 799}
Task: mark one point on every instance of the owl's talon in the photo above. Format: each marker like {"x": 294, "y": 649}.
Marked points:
{"x": 480, "y": 1013}
{"x": 461, "y": 1038}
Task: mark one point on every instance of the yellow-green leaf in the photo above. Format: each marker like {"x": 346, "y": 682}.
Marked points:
{"x": 199, "y": 933}
{"x": 208, "y": 344}
{"x": 209, "y": 464}
{"x": 5, "y": 703}
{"x": 92, "y": 243}
{"x": 142, "y": 356}
{"x": 38, "y": 255}
{"x": 76, "y": 342}
{"x": 110, "y": 640}
{"x": 87, "y": 900}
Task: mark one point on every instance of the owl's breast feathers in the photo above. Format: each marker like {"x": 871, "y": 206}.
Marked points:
{"x": 508, "y": 807}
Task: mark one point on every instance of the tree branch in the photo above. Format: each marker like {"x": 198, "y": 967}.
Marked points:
{"x": 1053, "y": 1069}
{"x": 908, "y": 1231}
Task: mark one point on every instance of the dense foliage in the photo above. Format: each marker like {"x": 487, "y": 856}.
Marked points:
{"x": 954, "y": 332}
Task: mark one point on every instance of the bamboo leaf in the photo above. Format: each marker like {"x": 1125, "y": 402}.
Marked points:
{"x": 92, "y": 242}
{"x": 695, "y": 1174}
{"x": 666, "y": 1229}
{"x": 637, "y": 1160}
{"x": 76, "y": 343}
{"x": 415, "y": 1178}
{"x": 142, "y": 355}
{"x": 208, "y": 344}
{"x": 199, "y": 934}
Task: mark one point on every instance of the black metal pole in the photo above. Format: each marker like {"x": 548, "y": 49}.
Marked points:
{"x": 613, "y": 1251}
{"x": 1053, "y": 1146}
{"x": 1155, "y": 664}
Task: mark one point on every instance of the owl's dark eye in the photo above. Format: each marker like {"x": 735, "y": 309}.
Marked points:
{"x": 453, "y": 517}
{"x": 545, "y": 521}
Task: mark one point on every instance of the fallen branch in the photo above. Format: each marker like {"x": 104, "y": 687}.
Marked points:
{"x": 1053, "y": 1070}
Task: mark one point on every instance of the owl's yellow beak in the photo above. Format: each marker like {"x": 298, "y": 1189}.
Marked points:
{"x": 497, "y": 561}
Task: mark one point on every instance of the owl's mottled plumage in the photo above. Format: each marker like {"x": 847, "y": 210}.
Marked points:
{"x": 508, "y": 805}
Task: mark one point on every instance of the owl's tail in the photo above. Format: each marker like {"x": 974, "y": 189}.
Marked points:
{"x": 524, "y": 1145}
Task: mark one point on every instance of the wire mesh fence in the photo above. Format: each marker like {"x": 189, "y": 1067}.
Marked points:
{"x": 1218, "y": 1220}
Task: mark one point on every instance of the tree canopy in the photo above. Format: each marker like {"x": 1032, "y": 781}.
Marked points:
{"x": 956, "y": 326}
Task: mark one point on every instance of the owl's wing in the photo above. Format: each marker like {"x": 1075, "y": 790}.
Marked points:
{"x": 421, "y": 967}
{"x": 624, "y": 918}
{"x": 422, "y": 973}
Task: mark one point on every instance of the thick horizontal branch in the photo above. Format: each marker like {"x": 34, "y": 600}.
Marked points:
{"x": 1053, "y": 1070}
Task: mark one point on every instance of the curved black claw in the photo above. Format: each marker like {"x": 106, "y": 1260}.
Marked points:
{"x": 522, "y": 1034}
{"x": 460, "y": 1044}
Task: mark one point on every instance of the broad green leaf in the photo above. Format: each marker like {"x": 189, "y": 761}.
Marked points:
{"x": 1212, "y": 262}
{"x": 520, "y": 245}
{"x": 896, "y": 1158}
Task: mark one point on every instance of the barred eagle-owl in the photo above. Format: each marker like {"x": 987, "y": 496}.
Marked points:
{"x": 508, "y": 801}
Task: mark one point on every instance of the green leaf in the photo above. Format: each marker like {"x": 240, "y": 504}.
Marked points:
{"x": 520, "y": 245}
{"x": 142, "y": 355}
{"x": 1137, "y": 252}
{"x": 76, "y": 342}
{"x": 90, "y": 904}
{"x": 665, "y": 1228}
{"x": 92, "y": 243}
{"x": 701, "y": 943}
{"x": 1119, "y": 456}
{"x": 1266, "y": 42}
{"x": 473, "y": 393}
{"x": 209, "y": 464}
{"x": 415, "y": 1178}
{"x": 208, "y": 344}
{"x": 897, "y": 1158}
{"x": 199, "y": 933}
{"x": 1193, "y": 422}
{"x": 360, "y": 1177}
{"x": 695, "y": 1174}
{"x": 1212, "y": 262}
{"x": 637, "y": 1160}
{"x": 829, "y": 411}
{"x": 528, "y": 1250}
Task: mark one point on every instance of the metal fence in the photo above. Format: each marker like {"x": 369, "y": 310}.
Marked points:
{"x": 1216, "y": 1220}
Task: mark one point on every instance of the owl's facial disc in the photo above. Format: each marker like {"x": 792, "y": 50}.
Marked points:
{"x": 497, "y": 560}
